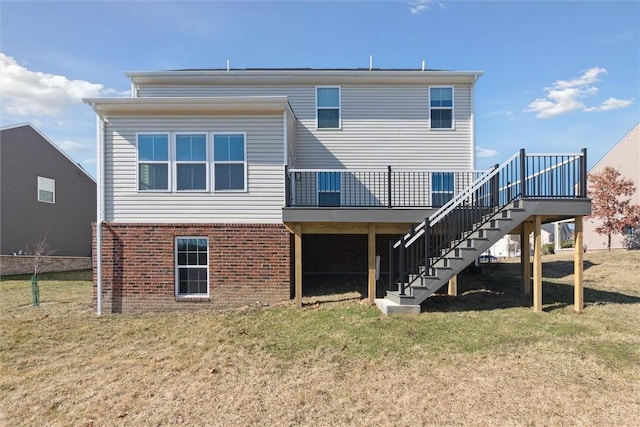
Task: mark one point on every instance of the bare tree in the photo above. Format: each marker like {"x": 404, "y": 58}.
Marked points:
{"x": 40, "y": 251}
{"x": 610, "y": 202}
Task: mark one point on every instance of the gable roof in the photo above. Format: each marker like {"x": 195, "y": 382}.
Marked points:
{"x": 622, "y": 141}
{"x": 44, "y": 137}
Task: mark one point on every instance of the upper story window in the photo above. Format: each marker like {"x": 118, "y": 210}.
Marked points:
{"x": 229, "y": 162}
{"x": 328, "y": 107}
{"x": 46, "y": 190}
{"x": 153, "y": 162}
{"x": 441, "y": 107}
{"x": 191, "y": 162}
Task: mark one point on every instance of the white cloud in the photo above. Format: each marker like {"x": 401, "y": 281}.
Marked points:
{"x": 418, "y": 6}
{"x": 565, "y": 96}
{"x": 611, "y": 104}
{"x": 483, "y": 153}
{"x": 507, "y": 114}
{"x": 72, "y": 146}
{"x": 25, "y": 92}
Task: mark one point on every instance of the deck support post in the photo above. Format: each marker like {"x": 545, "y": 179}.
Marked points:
{"x": 578, "y": 266}
{"x": 537, "y": 265}
{"x": 453, "y": 286}
{"x": 372, "y": 263}
{"x": 298, "y": 265}
{"x": 525, "y": 258}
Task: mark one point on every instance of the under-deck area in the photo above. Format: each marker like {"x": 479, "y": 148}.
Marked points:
{"x": 428, "y": 246}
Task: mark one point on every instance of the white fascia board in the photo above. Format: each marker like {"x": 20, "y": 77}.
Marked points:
{"x": 315, "y": 77}
{"x": 191, "y": 105}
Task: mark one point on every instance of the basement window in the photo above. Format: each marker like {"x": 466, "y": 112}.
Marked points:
{"x": 192, "y": 267}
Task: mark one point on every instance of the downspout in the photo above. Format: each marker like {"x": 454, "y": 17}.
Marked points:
{"x": 99, "y": 207}
{"x": 473, "y": 122}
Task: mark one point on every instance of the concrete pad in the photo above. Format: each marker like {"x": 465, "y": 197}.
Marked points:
{"x": 389, "y": 307}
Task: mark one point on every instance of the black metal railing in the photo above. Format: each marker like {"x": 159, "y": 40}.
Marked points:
{"x": 547, "y": 176}
{"x": 374, "y": 188}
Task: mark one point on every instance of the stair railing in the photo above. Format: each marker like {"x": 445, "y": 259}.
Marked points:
{"x": 545, "y": 176}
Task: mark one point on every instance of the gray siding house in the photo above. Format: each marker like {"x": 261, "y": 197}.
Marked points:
{"x": 211, "y": 183}
{"x": 43, "y": 193}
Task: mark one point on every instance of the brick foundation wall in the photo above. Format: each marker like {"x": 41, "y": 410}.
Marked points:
{"x": 23, "y": 264}
{"x": 247, "y": 264}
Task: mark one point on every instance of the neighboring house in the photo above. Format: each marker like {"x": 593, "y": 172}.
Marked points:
{"x": 44, "y": 194}
{"x": 219, "y": 188}
{"x": 509, "y": 245}
{"x": 625, "y": 158}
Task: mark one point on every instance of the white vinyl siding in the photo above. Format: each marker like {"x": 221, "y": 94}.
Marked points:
{"x": 261, "y": 203}
{"x": 381, "y": 125}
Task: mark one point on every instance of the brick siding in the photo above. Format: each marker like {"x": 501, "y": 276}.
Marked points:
{"x": 248, "y": 264}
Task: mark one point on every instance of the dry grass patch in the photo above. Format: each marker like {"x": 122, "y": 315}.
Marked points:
{"x": 481, "y": 359}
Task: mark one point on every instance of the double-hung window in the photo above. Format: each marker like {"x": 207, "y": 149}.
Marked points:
{"x": 191, "y": 162}
{"x": 441, "y": 188}
{"x": 328, "y": 107}
{"x": 46, "y": 190}
{"x": 229, "y": 162}
{"x": 441, "y": 107}
{"x": 329, "y": 188}
{"x": 192, "y": 266}
{"x": 153, "y": 162}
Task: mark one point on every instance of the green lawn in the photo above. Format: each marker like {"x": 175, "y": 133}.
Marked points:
{"x": 483, "y": 358}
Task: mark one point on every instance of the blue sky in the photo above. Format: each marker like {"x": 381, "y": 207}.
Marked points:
{"x": 558, "y": 76}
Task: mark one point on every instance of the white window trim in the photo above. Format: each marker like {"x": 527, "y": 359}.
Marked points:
{"x": 177, "y": 269}
{"x": 232, "y": 162}
{"x": 167, "y": 162}
{"x": 330, "y": 108}
{"x": 42, "y": 180}
{"x": 176, "y": 162}
{"x": 452, "y": 108}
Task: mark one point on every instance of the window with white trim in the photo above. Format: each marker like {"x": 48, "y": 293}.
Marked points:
{"x": 46, "y": 190}
{"x": 153, "y": 162}
{"x": 441, "y": 188}
{"x": 328, "y": 107}
{"x": 192, "y": 266}
{"x": 229, "y": 162}
{"x": 191, "y": 162}
{"x": 441, "y": 107}
{"x": 329, "y": 188}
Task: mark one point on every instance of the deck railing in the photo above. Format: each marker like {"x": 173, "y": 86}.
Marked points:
{"x": 374, "y": 188}
{"x": 522, "y": 176}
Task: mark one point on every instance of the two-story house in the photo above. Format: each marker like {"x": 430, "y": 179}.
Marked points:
{"x": 44, "y": 194}
{"x": 211, "y": 182}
